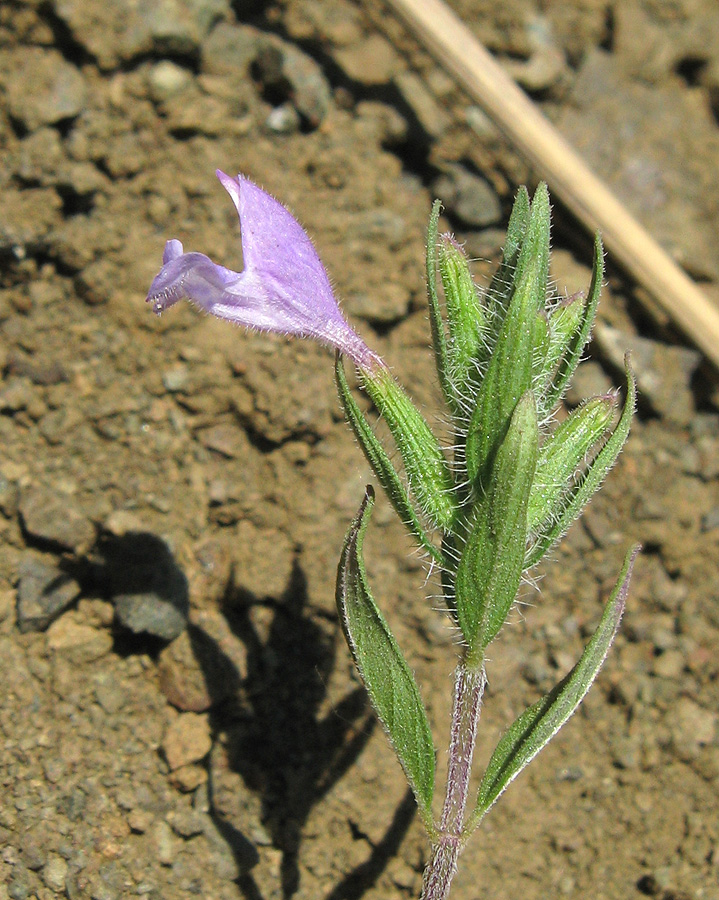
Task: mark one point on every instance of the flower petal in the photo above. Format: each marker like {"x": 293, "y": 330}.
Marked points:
{"x": 284, "y": 287}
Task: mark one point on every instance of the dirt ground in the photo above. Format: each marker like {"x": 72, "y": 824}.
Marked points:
{"x": 179, "y": 714}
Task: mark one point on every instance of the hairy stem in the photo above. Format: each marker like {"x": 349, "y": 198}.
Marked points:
{"x": 468, "y": 690}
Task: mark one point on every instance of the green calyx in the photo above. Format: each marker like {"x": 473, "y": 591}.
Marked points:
{"x": 424, "y": 461}
{"x": 491, "y": 564}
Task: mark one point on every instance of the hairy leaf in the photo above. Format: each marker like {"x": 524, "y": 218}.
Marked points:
{"x": 538, "y": 724}
{"x": 381, "y": 464}
{"x": 384, "y": 670}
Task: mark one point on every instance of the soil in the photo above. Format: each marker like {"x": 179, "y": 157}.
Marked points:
{"x": 179, "y": 713}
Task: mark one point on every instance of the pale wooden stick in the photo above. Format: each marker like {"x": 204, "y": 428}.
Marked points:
{"x": 457, "y": 50}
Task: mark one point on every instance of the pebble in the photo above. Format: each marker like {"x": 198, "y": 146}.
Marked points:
{"x": 44, "y": 592}
{"x": 283, "y": 119}
{"x": 692, "y": 726}
{"x": 229, "y": 440}
{"x": 663, "y": 372}
{"x": 187, "y": 740}
{"x": 430, "y": 115}
{"x": 468, "y": 197}
{"x": 44, "y": 88}
{"x": 80, "y": 643}
{"x": 52, "y": 518}
{"x": 151, "y": 613}
{"x": 284, "y": 69}
{"x": 150, "y": 592}
{"x": 16, "y": 394}
{"x": 194, "y": 673}
{"x": 371, "y": 61}
{"x": 162, "y": 835}
{"x": 166, "y": 79}
{"x": 54, "y": 874}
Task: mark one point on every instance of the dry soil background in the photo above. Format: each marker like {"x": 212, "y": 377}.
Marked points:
{"x": 178, "y": 713}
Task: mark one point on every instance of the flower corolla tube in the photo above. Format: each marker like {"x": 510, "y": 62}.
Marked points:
{"x": 283, "y": 287}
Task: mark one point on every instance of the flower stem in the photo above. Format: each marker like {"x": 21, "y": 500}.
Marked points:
{"x": 468, "y": 691}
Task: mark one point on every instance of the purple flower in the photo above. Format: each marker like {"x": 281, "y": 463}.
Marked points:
{"x": 283, "y": 288}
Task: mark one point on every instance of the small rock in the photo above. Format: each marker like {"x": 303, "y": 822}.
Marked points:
{"x": 176, "y": 379}
{"x": 80, "y": 643}
{"x": 669, "y": 664}
{"x": 44, "y": 592}
{"x": 166, "y": 79}
{"x": 372, "y": 61}
{"x": 385, "y": 308}
{"x": 44, "y": 88}
{"x": 186, "y": 823}
{"x": 149, "y": 590}
{"x": 150, "y": 614}
{"x": 16, "y": 394}
{"x": 187, "y": 740}
{"x": 663, "y": 372}
{"x": 140, "y": 820}
{"x": 692, "y": 727}
{"x": 194, "y": 673}
{"x": 283, "y": 119}
{"x": 286, "y": 71}
{"x": 164, "y": 844}
{"x": 52, "y": 518}
{"x": 54, "y": 874}
{"x": 230, "y": 49}
{"x": 468, "y": 197}
{"x": 430, "y": 115}
{"x": 710, "y": 521}
{"x": 227, "y": 439}
{"x": 188, "y": 778}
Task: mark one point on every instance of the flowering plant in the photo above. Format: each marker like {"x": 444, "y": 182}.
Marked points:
{"x": 487, "y": 514}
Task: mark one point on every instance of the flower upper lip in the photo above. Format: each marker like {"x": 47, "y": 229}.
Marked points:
{"x": 283, "y": 287}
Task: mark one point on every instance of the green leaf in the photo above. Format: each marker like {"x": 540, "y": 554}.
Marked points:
{"x": 538, "y": 724}
{"x": 573, "y": 354}
{"x": 508, "y": 376}
{"x": 439, "y": 340}
{"x": 520, "y": 346}
{"x": 491, "y": 564}
{"x": 465, "y": 317}
{"x": 564, "y": 322}
{"x": 500, "y": 287}
{"x": 562, "y": 455}
{"x": 533, "y": 261}
{"x": 576, "y": 499}
{"x": 427, "y": 471}
{"x": 384, "y": 670}
{"x": 381, "y": 464}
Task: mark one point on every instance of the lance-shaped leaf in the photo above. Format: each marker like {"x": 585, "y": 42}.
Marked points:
{"x": 574, "y": 501}
{"x": 466, "y": 317}
{"x": 439, "y": 339}
{"x": 519, "y": 347}
{"x": 508, "y": 377}
{"x": 384, "y": 670}
{"x": 499, "y": 291}
{"x": 491, "y": 564}
{"x": 562, "y": 455}
{"x": 424, "y": 461}
{"x": 573, "y": 353}
{"x": 538, "y": 724}
{"x": 381, "y": 464}
{"x": 564, "y": 322}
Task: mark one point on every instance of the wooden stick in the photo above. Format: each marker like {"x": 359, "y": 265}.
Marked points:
{"x": 457, "y": 50}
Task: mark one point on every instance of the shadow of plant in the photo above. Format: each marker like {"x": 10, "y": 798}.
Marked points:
{"x": 276, "y": 736}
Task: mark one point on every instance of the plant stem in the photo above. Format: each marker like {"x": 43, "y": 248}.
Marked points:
{"x": 468, "y": 691}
